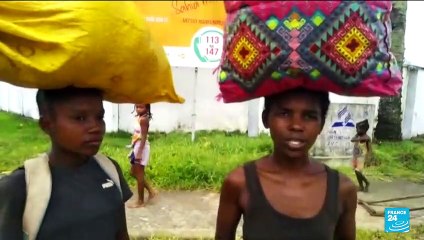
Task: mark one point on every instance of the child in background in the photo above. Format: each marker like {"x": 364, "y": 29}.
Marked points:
{"x": 140, "y": 154}
{"x": 361, "y": 153}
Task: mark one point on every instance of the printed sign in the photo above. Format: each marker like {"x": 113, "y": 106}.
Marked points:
{"x": 190, "y": 31}
{"x": 207, "y": 44}
{"x": 344, "y": 118}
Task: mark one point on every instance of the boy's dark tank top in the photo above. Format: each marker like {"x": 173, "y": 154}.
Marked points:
{"x": 262, "y": 221}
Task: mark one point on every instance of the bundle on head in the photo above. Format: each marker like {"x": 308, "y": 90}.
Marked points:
{"x": 335, "y": 46}
{"x": 86, "y": 44}
{"x": 363, "y": 125}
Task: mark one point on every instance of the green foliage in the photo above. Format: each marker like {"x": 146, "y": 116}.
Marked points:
{"x": 399, "y": 159}
{"x": 389, "y": 119}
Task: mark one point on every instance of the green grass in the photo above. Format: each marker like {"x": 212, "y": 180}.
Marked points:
{"x": 178, "y": 163}
{"x": 399, "y": 160}
{"x": 20, "y": 138}
{"x": 416, "y": 233}
{"x": 396, "y": 160}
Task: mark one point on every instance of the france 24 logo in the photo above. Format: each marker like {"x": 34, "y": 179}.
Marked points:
{"x": 396, "y": 220}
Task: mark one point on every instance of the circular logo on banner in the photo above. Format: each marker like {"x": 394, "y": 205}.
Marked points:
{"x": 207, "y": 44}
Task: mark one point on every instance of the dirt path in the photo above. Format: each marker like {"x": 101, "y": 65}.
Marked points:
{"x": 193, "y": 214}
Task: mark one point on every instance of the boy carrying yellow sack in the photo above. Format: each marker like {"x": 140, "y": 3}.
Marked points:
{"x": 77, "y": 54}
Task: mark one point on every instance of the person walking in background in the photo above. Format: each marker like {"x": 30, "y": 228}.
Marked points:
{"x": 361, "y": 153}
{"x": 140, "y": 153}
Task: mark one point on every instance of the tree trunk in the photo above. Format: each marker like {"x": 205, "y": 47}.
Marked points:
{"x": 389, "y": 110}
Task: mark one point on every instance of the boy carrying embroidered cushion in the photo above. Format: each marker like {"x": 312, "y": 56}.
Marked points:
{"x": 293, "y": 53}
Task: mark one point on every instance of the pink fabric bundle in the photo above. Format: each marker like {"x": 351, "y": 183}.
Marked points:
{"x": 337, "y": 46}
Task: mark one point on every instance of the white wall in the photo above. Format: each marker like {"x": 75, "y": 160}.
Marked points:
{"x": 414, "y": 36}
{"x": 18, "y": 100}
{"x": 210, "y": 113}
{"x": 418, "y": 117}
{"x": 413, "y": 101}
{"x": 413, "y": 72}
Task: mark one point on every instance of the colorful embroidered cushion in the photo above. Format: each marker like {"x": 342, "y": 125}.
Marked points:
{"x": 337, "y": 46}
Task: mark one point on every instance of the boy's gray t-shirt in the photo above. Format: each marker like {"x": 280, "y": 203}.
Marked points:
{"x": 81, "y": 206}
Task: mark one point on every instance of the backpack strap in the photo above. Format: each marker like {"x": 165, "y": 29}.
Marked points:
{"x": 38, "y": 187}
{"x": 110, "y": 169}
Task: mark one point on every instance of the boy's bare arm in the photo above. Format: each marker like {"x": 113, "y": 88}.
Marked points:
{"x": 229, "y": 210}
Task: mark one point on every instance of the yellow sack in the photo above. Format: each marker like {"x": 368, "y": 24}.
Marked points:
{"x": 105, "y": 45}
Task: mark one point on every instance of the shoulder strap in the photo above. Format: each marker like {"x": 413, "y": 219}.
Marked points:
{"x": 332, "y": 191}
{"x": 39, "y": 185}
{"x": 250, "y": 176}
{"x": 253, "y": 184}
{"x": 110, "y": 169}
